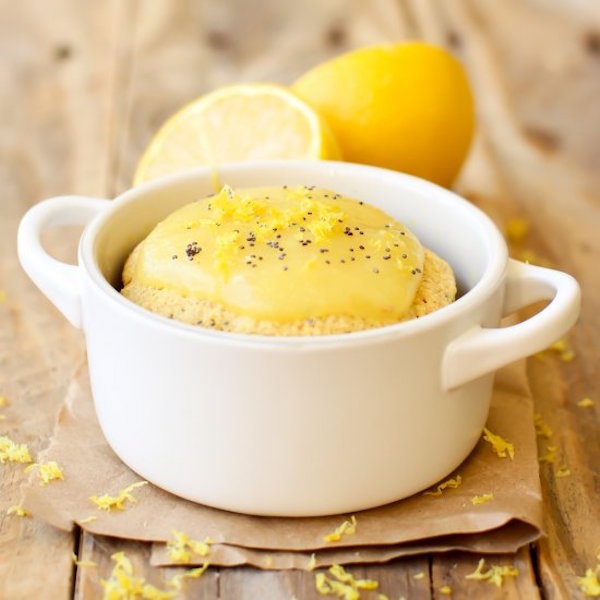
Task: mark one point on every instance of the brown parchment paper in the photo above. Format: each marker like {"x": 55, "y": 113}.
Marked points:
{"x": 414, "y": 525}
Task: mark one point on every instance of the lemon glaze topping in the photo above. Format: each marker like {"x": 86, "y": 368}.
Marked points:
{"x": 286, "y": 254}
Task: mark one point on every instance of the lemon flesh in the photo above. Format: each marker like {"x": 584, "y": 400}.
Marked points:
{"x": 403, "y": 106}
{"x": 237, "y": 123}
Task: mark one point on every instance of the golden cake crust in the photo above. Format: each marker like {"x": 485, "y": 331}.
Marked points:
{"x": 437, "y": 289}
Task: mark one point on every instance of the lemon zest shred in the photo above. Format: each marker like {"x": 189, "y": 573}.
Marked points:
{"x": 550, "y": 457}
{"x": 419, "y": 575}
{"x": 13, "y": 452}
{"x": 446, "y": 590}
{"x": 495, "y": 574}
{"x": 3, "y": 401}
{"x": 268, "y": 561}
{"x": 563, "y": 471}
{"x": 564, "y": 351}
{"x": 589, "y": 583}
{"x": 82, "y": 563}
{"x": 107, "y": 502}
{"x": 501, "y": 447}
{"x": 541, "y": 427}
{"x": 482, "y": 498}
{"x": 382, "y": 597}
{"x": 517, "y": 229}
{"x": 181, "y": 547}
{"x": 47, "y": 472}
{"x": 344, "y": 585}
{"x": 2, "y": 296}
{"x": 18, "y": 511}
{"x": 177, "y": 580}
{"x": 346, "y": 528}
{"x": 448, "y": 484}
{"x": 312, "y": 563}
{"x": 124, "y": 585}
{"x": 88, "y": 519}
{"x": 585, "y": 403}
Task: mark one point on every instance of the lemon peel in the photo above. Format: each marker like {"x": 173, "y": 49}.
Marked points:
{"x": 177, "y": 580}
{"x": 541, "y": 427}
{"x": 448, "y": 484}
{"x": 446, "y": 590}
{"x": 13, "y": 452}
{"x": 124, "y": 585}
{"x": 18, "y": 511}
{"x": 589, "y": 583}
{"x": 344, "y": 585}
{"x": 181, "y": 547}
{"x": 562, "y": 348}
{"x": 494, "y": 575}
{"x": 82, "y": 563}
{"x": 47, "y": 472}
{"x": 107, "y": 502}
{"x": 346, "y": 528}
{"x": 501, "y": 447}
{"x": 585, "y": 403}
{"x": 550, "y": 457}
{"x": 563, "y": 471}
{"x": 482, "y": 498}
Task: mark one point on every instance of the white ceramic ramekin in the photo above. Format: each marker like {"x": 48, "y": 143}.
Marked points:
{"x": 296, "y": 426}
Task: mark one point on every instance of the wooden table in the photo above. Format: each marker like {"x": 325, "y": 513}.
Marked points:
{"x": 83, "y": 86}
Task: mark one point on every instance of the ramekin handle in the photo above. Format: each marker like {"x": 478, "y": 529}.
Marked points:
{"x": 482, "y": 350}
{"x": 58, "y": 281}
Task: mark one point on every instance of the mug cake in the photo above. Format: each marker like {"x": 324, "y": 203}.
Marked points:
{"x": 285, "y": 261}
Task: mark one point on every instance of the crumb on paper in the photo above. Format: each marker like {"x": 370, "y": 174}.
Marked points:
{"x": 182, "y": 547}
{"x": 18, "y": 511}
{"x": 344, "y": 585}
{"x": 446, "y": 590}
{"x": 82, "y": 563}
{"x": 517, "y": 229}
{"x": 448, "y": 484}
{"x": 589, "y": 583}
{"x": 501, "y": 447}
{"x": 541, "y": 427}
{"x": 106, "y": 502}
{"x": 88, "y": 519}
{"x": 419, "y": 575}
{"x": 124, "y": 585}
{"x": 346, "y": 528}
{"x": 586, "y": 403}
{"x": 481, "y": 499}
{"x": 47, "y": 472}
{"x": 13, "y": 452}
{"x": 563, "y": 471}
{"x": 177, "y": 580}
{"x": 495, "y": 574}
{"x": 312, "y": 563}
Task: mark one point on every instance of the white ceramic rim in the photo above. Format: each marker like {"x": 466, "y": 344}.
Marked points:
{"x": 477, "y": 295}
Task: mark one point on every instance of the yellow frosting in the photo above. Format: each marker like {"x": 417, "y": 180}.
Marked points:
{"x": 285, "y": 254}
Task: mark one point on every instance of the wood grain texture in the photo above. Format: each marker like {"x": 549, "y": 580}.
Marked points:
{"x": 85, "y": 86}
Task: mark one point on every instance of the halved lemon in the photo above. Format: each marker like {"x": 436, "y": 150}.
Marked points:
{"x": 237, "y": 123}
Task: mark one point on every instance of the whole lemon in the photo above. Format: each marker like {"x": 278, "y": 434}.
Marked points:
{"x": 404, "y": 106}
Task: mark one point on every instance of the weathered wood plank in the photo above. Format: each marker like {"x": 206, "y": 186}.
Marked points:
{"x": 54, "y": 103}
{"x": 451, "y": 570}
